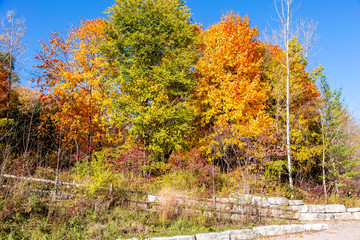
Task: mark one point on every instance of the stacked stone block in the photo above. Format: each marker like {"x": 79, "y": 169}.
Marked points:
{"x": 243, "y": 234}
{"x": 277, "y": 207}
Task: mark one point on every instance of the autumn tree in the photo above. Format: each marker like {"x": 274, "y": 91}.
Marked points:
{"x": 303, "y": 102}
{"x": 73, "y": 83}
{"x": 285, "y": 35}
{"x": 304, "y": 116}
{"x": 4, "y": 73}
{"x": 12, "y": 30}
{"x": 231, "y": 93}
{"x": 285, "y": 14}
{"x": 29, "y": 107}
{"x": 154, "y": 50}
{"x": 23, "y": 139}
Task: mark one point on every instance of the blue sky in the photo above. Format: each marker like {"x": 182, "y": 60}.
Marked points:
{"x": 339, "y": 29}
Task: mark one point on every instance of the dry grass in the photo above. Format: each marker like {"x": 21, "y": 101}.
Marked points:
{"x": 171, "y": 203}
{"x": 12, "y": 198}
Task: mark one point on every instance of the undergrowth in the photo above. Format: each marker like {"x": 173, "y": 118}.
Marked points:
{"x": 31, "y": 217}
{"x": 95, "y": 212}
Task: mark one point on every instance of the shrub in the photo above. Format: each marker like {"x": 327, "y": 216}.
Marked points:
{"x": 96, "y": 174}
{"x": 130, "y": 160}
{"x": 190, "y": 171}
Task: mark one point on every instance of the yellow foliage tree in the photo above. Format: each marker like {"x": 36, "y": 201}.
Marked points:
{"x": 304, "y": 101}
{"x": 231, "y": 93}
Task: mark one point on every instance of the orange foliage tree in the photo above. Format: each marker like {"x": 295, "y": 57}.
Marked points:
{"x": 304, "y": 103}
{"x": 74, "y": 86}
{"x": 231, "y": 93}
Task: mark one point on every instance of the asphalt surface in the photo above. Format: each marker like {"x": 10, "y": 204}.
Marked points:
{"x": 338, "y": 230}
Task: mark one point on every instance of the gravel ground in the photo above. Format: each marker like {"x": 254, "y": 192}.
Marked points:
{"x": 338, "y": 230}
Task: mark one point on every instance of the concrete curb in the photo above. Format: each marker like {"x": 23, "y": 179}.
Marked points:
{"x": 244, "y": 234}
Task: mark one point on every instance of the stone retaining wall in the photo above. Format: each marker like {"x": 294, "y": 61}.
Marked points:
{"x": 264, "y": 231}
{"x": 277, "y": 207}
{"x": 281, "y": 205}
{"x": 239, "y": 205}
{"x": 273, "y": 207}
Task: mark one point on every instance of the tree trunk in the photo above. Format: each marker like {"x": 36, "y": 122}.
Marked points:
{"x": 323, "y": 162}
{"x": 288, "y": 99}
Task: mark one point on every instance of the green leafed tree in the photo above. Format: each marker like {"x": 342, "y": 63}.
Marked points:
{"x": 339, "y": 163}
{"x": 153, "y": 44}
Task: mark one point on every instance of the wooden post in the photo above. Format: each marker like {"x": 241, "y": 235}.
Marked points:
{"x": 215, "y": 208}
{"x": 56, "y": 187}
{"x": 111, "y": 188}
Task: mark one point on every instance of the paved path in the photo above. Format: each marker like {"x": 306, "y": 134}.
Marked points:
{"x": 338, "y": 230}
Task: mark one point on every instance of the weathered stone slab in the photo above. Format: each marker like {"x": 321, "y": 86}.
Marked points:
{"x": 335, "y": 208}
{"x": 315, "y": 208}
{"x": 222, "y": 206}
{"x": 273, "y": 230}
{"x": 261, "y": 231}
{"x": 293, "y": 228}
{"x": 315, "y": 226}
{"x": 351, "y": 210}
{"x": 302, "y": 208}
{"x": 222, "y": 200}
{"x": 291, "y": 215}
{"x": 325, "y": 216}
{"x": 261, "y": 201}
{"x": 276, "y": 212}
{"x": 183, "y": 237}
{"x": 343, "y": 216}
{"x": 213, "y": 236}
{"x": 282, "y": 201}
{"x": 279, "y": 213}
{"x": 244, "y": 209}
{"x": 296, "y": 208}
{"x": 242, "y": 234}
{"x": 308, "y": 216}
{"x": 153, "y": 198}
{"x": 356, "y": 215}
{"x": 296, "y": 202}
{"x": 240, "y": 198}
{"x": 238, "y": 208}
{"x": 276, "y": 230}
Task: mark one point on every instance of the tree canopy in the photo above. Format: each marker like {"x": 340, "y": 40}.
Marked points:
{"x": 154, "y": 48}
